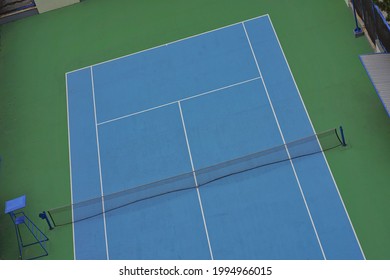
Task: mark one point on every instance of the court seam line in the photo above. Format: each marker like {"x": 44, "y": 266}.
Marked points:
{"x": 99, "y": 164}
{"x": 180, "y": 100}
{"x": 70, "y": 165}
{"x": 323, "y": 154}
{"x": 196, "y": 182}
{"x": 284, "y": 142}
{"x": 166, "y": 44}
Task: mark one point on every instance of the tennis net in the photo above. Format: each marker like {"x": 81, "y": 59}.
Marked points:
{"x": 84, "y": 210}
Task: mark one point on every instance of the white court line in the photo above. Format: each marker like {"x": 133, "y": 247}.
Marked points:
{"x": 99, "y": 164}
{"x": 312, "y": 127}
{"x": 284, "y": 142}
{"x": 196, "y": 181}
{"x": 70, "y": 166}
{"x": 181, "y": 100}
{"x": 167, "y": 44}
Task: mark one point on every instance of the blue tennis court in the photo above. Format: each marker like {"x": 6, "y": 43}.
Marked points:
{"x": 184, "y": 106}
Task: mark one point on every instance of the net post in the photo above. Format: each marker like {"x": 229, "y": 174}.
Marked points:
{"x": 342, "y": 136}
{"x": 43, "y": 216}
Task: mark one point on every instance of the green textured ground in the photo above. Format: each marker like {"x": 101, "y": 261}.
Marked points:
{"x": 318, "y": 41}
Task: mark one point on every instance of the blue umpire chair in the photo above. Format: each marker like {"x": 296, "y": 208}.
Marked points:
{"x": 31, "y": 240}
